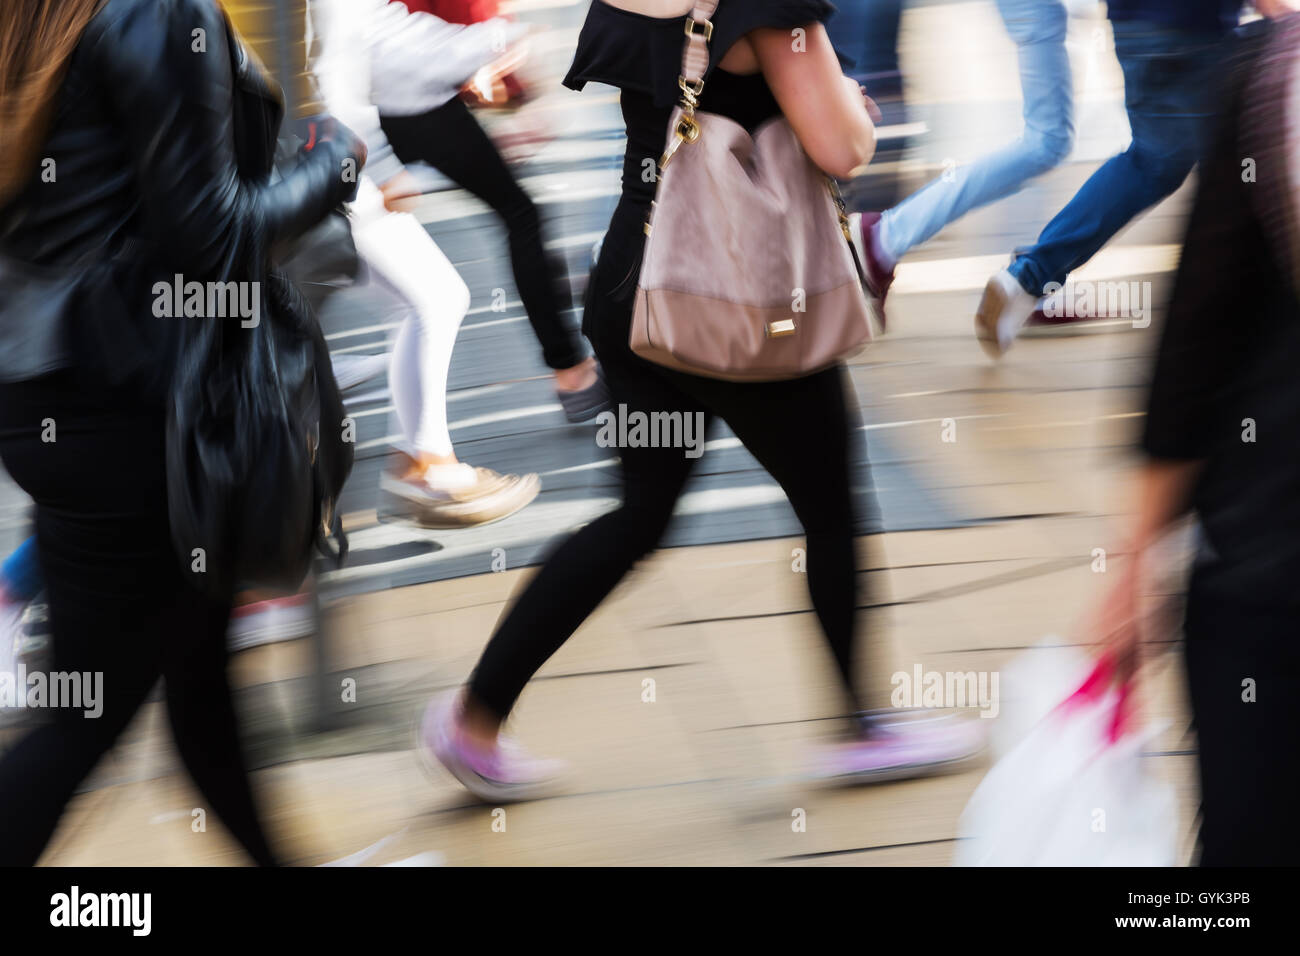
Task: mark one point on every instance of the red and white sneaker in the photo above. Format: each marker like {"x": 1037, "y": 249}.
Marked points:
{"x": 270, "y": 622}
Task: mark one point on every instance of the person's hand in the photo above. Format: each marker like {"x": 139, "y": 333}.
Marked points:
{"x": 329, "y": 129}
{"x": 402, "y": 186}
{"x": 1117, "y": 623}
{"x": 488, "y": 86}
{"x": 872, "y": 109}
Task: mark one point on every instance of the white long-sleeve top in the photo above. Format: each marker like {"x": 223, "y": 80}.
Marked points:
{"x": 378, "y": 57}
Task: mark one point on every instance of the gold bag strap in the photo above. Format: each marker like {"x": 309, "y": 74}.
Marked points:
{"x": 695, "y": 63}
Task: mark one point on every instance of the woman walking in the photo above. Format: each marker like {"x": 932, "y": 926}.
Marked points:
{"x": 799, "y": 429}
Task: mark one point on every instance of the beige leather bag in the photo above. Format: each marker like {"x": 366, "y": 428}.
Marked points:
{"x": 748, "y": 273}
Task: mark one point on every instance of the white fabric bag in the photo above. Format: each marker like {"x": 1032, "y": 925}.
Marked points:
{"x": 1069, "y": 786}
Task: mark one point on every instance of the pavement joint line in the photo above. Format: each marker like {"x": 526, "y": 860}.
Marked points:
{"x": 863, "y": 849}
{"x": 1050, "y": 566}
{"x": 482, "y": 805}
{"x": 781, "y": 723}
{"x": 1167, "y": 641}
{"x": 620, "y": 670}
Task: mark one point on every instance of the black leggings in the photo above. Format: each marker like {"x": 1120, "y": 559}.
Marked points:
{"x": 798, "y": 430}
{"x": 1247, "y": 750}
{"x": 450, "y": 139}
{"x": 119, "y": 606}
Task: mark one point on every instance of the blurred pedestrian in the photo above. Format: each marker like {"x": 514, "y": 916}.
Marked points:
{"x": 1171, "y": 53}
{"x": 798, "y": 429}
{"x": 427, "y": 121}
{"x": 1220, "y": 441}
{"x": 1038, "y": 28}
{"x": 118, "y": 169}
{"x": 428, "y": 482}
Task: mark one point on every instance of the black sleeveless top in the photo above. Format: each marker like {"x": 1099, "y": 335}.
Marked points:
{"x": 642, "y": 56}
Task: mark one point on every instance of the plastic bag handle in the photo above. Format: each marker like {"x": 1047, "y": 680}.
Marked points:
{"x": 1094, "y": 686}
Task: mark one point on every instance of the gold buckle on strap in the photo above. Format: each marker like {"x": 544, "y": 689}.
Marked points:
{"x": 706, "y": 24}
{"x": 689, "y": 88}
{"x": 780, "y": 328}
{"x": 687, "y": 131}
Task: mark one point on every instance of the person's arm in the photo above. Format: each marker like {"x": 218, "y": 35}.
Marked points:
{"x": 1210, "y": 330}
{"x": 414, "y": 50}
{"x": 166, "y": 70}
{"x": 827, "y": 110}
{"x": 343, "y": 71}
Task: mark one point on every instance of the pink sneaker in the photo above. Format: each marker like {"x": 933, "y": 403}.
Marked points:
{"x": 902, "y": 750}
{"x": 505, "y": 773}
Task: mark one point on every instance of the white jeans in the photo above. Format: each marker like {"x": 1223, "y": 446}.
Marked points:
{"x": 403, "y": 258}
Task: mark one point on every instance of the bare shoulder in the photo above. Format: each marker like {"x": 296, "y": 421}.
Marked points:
{"x": 653, "y": 8}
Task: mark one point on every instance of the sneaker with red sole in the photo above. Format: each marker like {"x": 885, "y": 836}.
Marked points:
{"x": 1045, "y": 322}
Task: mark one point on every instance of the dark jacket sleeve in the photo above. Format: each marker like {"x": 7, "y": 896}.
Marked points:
{"x": 165, "y": 66}
{"x": 1216, "y": 311}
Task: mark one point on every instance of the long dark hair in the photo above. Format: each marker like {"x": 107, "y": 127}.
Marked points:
{"x": 37, "y": 38}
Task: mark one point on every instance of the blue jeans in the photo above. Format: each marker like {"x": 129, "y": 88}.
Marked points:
{"x": 1170, "y": 79}
{"x": 866, "y": 31}
{"x": 21, "y": 574}
{"x": 1038, "y": 28}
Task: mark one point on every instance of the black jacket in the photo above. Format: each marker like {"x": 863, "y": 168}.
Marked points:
{"x": 139, "y": 183}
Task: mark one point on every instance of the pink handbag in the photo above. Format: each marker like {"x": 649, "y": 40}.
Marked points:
{"x": 748, "y": 274}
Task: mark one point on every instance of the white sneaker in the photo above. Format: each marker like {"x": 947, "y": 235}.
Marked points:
{"x": 1003, "y": 311}
{"x": 485, "y": 497}
{"x": 270, "y": 622}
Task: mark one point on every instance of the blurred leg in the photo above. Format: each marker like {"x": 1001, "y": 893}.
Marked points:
{"x": 1166, "y": 79}
{"x": 582, "y": 571}
{"x": 1246, "y": 747}
{"x": 99, "y": 545}
{"x": 866, "y": 31}
{"x": 404, "y": 259}
{"x": 800, "y": 432}
{"x": 202, "y": 715}
{"x": 39, "y": 775}
{"x": 450, "y": 139}
{"x": 117, "y": 598}
{"x": 20, "y": 577}
{"x": 1038, "y": 28}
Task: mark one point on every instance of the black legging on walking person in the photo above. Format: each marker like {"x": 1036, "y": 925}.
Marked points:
{"x": 450, "y": 139}
{"x": 119, "y": 606}
{"x": 1246, "y": 743}
{"x": 799, "y": 430}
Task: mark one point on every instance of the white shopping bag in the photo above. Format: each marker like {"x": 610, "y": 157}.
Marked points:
{"x": 1071, "y": 788}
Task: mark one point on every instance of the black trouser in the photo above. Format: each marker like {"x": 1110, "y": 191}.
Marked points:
{"x": 450, "y": 139}
{"x": 119, "y": 605}
{"x": 1248, "y": 750}
{"x": 799, "y": 430}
